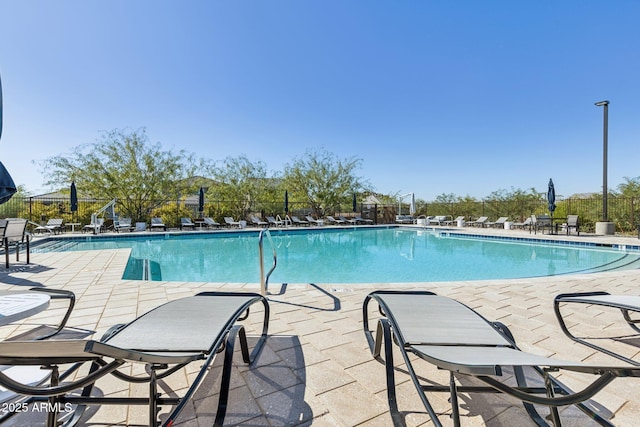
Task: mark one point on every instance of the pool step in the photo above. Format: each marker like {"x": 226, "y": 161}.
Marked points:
{"x": 54, "y": 246}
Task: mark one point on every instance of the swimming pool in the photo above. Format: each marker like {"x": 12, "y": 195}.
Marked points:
{"x": 354, "y": 255}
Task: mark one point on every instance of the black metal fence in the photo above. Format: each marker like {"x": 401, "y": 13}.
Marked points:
{"x": 624, "y": 212}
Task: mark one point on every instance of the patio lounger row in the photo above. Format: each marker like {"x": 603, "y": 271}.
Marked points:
{"x": 158, "y": 340}
{"x": 455, "y": 338}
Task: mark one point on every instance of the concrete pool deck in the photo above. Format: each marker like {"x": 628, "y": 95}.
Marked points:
{"x": 316, "y": 368}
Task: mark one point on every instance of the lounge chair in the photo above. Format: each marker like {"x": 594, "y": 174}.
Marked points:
{"x": 363, "y": 220}
{"x": 210, "y": 222}
{"x": 455, "y": 221}
{"x": 348, "y": 220}
{"x": 53, "y": 226}
{"x": 297, "y": 221}
{"x": 15, "y": 301}
{"x": 455, "y": 338}
{"x": 332, "y": 220}
{"x": 158, "y": 340}
{"x": 187, "y": 223}
{"x": 573, "y": 221}
{"x": 498, "y": 222}
{"x": 312, "y": 220}
{"x": 405, "y": 219}
{"x": 438, "y": 219}
{"x": 258, "y": 222}
{"x": 156, "y": 222}
{"x": 230, "y": 222}
{"x": 17, "y": 305}
{"x": 275, "y": 222}
{"x": 478, "y": 222}
{"x": 14, "y": 232}
{"x": 627, "y": 304}
{"x": 122, "y": 224}
{"x": 523, "y": 224}
{"x": 94, "y": 227}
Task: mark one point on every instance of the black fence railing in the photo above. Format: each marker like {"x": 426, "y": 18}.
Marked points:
{"x": 624, "y": 212}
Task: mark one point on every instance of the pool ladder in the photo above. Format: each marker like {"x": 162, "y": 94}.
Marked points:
{"x": 264, "y": 279}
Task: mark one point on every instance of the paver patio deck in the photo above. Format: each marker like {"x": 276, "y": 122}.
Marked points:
{"x": 316, "y": 368}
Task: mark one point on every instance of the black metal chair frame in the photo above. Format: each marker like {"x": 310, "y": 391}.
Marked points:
{"x": 106, "y": 359}
{"x": 553, "y": 394}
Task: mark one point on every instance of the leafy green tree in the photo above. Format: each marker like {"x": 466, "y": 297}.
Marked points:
{"x": 323, "y": 181}
{"x": 124, "y": 165}
{"x": 630, "y": 188}
{"x": 242, "y": 185}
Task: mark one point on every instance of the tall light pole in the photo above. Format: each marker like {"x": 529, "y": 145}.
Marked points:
{"x": 605, "y": 132}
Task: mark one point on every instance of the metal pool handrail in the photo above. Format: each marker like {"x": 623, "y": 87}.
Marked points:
{"x": 264, "y": 280}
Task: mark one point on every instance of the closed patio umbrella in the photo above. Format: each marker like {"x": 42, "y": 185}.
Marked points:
{"x": 286, "y": 202}
{"x": 74, "y": 197}
{"x": 201, "y": 201}
{"x": 412, "y": 206}
{"x": 551, "y": 197}
{"x": 354, "y": 203}
{"x": 7, "y": 186}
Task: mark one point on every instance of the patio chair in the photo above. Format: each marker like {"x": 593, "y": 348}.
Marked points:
{"x": 498, "y": 222}
{"x": 297, "y": 221}
{"x": 122, "y": 224}
{"x": 53, "y": 226}
{"x": 14, "y": 233}
{"x": 156, "y": 339}
{"x": 156, "y": 222}
{"x": 540, "y": 222}
{"x": 573, "y": 221}
{"x": 478, "y": 222}
{"x": 210, "y": 222}
{"x": 230, "y": 222}
{"x": 455, "y": 338}
{"x": 258, "y": 222}
{"x": 187, "y": 223}
{"x": 627, "y": 304}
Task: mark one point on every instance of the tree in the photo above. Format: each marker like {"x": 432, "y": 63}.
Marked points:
{"x": 630, "y": 188}
{"x": 323, "y": 180}
{"x": 123, "y": 165}
{"x": 241, "y": 183}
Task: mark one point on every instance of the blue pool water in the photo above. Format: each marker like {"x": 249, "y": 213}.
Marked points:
{"x": 354, "y": 255}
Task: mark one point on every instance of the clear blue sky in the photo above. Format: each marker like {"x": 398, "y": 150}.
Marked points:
{"x": 463, "y": 97}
